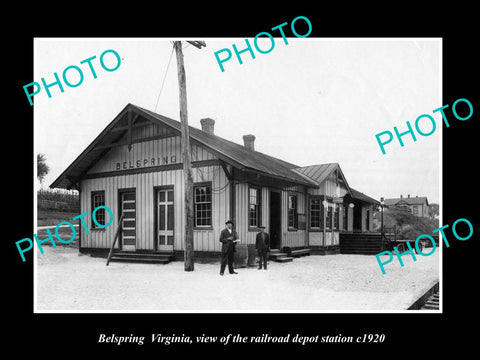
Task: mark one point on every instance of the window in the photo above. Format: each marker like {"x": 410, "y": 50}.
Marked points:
{"x": 367, "y": 221}
{"x": 292, "y": 211}
{"x": 254, "y": 207}
{"x": 316, "y": 214}
{"x": 203, "y": 205}
{"x": 98, "y": 199}
{"x": 415, "y": 210}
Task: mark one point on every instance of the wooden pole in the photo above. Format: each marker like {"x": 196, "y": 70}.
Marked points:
{"x": 187, "y": 168}
{"x": 117, "y": 233}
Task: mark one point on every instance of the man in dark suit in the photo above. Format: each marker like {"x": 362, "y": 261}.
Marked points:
{"x": 228, "y": 238}
{"x": 262, "y": 244}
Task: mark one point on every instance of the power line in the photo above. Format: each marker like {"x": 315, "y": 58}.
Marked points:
{"x": 164, "y": 77}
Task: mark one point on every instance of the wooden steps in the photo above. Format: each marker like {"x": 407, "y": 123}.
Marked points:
{"x": 287, "y": 255}
{"x": 276, "y": 255}
{"x": 360, "y": 243}
{"x": 300, "y": 252}
{"x": 143, "y": 258}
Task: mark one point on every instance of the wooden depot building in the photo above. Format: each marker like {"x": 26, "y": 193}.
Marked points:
{"x": 134, "y": 166}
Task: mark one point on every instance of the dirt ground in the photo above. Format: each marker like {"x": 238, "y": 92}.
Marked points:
{"x": 69, "y": 282}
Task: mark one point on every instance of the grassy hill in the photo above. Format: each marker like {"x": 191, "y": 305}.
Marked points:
{"x": 408, "y": 226}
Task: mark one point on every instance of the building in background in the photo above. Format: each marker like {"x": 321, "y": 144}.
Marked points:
{"x": 417, "y": 205}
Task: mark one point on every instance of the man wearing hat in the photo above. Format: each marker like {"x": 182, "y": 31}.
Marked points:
{"x": 262, "y": 244}
{"x": 228, "y": 238}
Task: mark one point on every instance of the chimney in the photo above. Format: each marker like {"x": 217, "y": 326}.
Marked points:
{"x": 401, "y": 196}
{"x": 409, "y": 196}
{"x": 249, "y": 141}
{"x": 208, "y": 125}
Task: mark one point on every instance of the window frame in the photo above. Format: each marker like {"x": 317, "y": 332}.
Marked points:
{"x": 320, "y": 211}
{"x": 196, "y": 226}
{"x": 294, "y": 226}
{"x": 258, "y": 207}
{"x": 93, "y": 206}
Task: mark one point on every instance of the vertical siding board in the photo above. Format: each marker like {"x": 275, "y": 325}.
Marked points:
{"x": 83, "y": 207}
{"x": 141, "y": 210}
{"x": 113, "y": 204}
{"x": 218, "y": 174}
{"x": 142, "y": 204}
{"x": 150, "y": 195}
{"x": 224, "y": 200}
{"x": 147, "y": 221}
{"x": 104, "y": 186}
{"x": 99, "y": 185}
{"x": 243, "y": 214}
{"x": 179, "y": 191}
{"x": 180, "y": 212}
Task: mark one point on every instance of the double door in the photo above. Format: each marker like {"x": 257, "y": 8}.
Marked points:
{"x": 164, "y": 220}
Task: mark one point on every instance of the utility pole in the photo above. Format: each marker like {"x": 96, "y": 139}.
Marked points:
{"x": 187, "y": 161}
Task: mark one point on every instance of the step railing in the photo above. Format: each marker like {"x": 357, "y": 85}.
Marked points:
{"x": 117, "y": 233}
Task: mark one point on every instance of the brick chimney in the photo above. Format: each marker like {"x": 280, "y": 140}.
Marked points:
{"x": 249, "y": 141}
{"x": 208, "y": 125}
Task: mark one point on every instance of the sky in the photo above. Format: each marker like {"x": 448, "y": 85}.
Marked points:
{"x": 313, "y": 101}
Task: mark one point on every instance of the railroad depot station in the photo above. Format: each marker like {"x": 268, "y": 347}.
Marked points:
{"x": 134, "y": 167}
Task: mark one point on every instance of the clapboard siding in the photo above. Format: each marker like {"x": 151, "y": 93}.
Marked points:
{"x": 144, "y": 184}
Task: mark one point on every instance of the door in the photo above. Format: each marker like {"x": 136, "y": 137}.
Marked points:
{"x": 165, "y": 217}
{"x": 129, "y": 223}
{"x": 275, "y": 220}
{"x": 357, "y": 217}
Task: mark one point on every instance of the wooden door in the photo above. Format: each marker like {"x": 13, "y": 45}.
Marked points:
{"x": 165, "y": 220}
{"x": 129, "y": 223}
{"x": 275, "y": 220}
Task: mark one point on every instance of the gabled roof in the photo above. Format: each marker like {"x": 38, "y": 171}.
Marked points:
{"x": 235, "y": 154}
{"x": 417, "y": 200}
{"x": 362, "y": 197}
{"x": 320, "y": 172}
